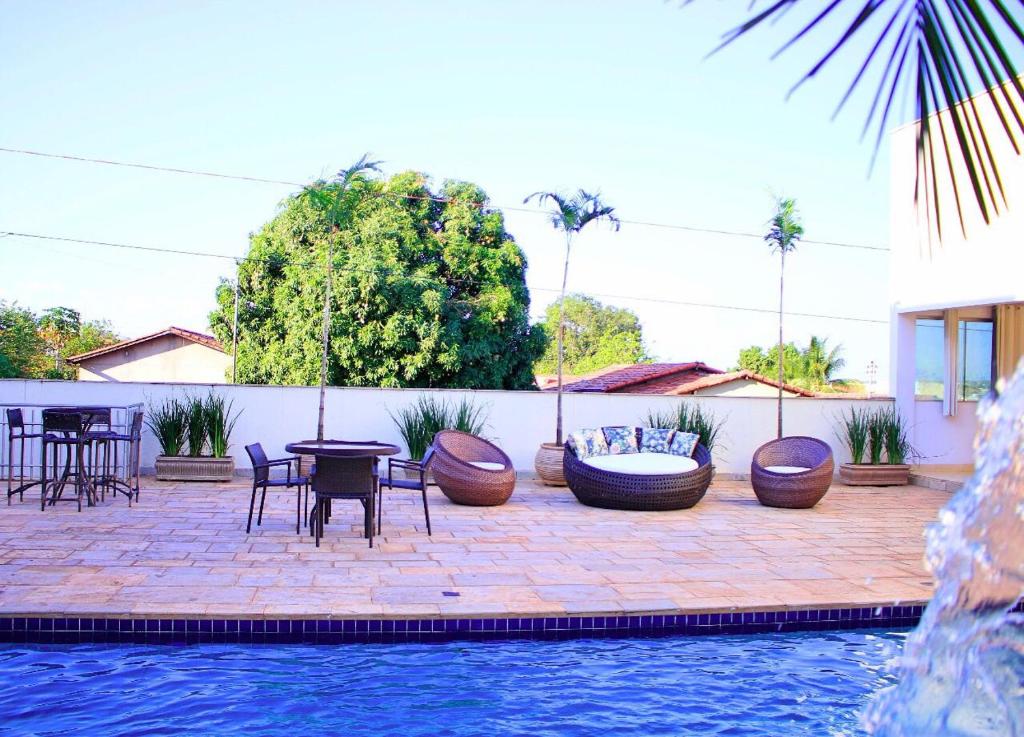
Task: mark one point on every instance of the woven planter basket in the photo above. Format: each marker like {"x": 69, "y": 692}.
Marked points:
{"x": 866, "y": 474}
{"x": 548, "y": 464}
{"x": 792, "y": 490}
{"x": 183, "y": 468}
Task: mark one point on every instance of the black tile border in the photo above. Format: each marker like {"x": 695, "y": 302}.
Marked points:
{"x": 363, "y": 630}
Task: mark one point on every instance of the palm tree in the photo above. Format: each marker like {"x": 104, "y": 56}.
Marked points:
{"x": 337, "y": 199}
{"x": 822, "y": 363}
{"x": 571, "y": 215}
{"x": 938, "y": 52}
{"x": 784, "y": 232}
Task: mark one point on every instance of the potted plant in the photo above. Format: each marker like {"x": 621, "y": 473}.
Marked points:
{"x": 570, "y": 215}
{"x": 882, "y": 431}
{"x": 419, "y": 422}
{"x": 185, "y": 429}
{"x": 690, "y": 418}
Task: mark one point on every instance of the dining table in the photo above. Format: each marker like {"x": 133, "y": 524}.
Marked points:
{"x": 91, "y": 415}
{"x": 344, "y": 469}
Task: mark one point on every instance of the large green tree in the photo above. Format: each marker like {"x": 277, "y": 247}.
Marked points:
{"x": 428, "y": 290}
{"x": 813, "y": 367}
{"x": 37, "y": 347}
{"x": 596, "y": 335}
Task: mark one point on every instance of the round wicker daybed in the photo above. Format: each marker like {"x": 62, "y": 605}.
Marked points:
{"x": 597, "y": 487}
{"x": 469, "y": 470}
{"x": 792, "y": 473}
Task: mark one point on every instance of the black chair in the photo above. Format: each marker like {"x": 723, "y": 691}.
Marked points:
{"x": 344, "y": 478}
{"x": 420, "y": 484}
{"x": 65, "y": 437}
{"x": 110, "y": 442}
{"x": 261, "y": 466}
{"x": 16, "y": 433}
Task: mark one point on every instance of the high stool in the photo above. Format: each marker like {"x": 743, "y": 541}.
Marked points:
{"x": 16, "y": 432}
{"x": 65, "y": 431}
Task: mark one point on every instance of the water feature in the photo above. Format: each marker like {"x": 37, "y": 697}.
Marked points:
{"x": 962, "y": 670}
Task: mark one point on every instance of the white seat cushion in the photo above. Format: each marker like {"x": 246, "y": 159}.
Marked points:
{"x": 487, "y": 465}
{"x": 786, "y": 469}
{"x": 643, "y": 463}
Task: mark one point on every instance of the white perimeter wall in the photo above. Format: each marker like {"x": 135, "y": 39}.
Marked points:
{"x": 518, "y": 421}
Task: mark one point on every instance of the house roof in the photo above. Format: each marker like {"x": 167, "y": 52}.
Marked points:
{"x": 743, "y": 375}
{"x": 202, "y": 338}
{"x": 637, "y": 377}
{"x": 666, "y": 378}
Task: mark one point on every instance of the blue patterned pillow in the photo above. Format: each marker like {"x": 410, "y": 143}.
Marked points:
{"x": 683, "y": 444}
{"x": 621, "y": 440}
{"x": 655, "y": 440}
{"x": 588, "y": 443}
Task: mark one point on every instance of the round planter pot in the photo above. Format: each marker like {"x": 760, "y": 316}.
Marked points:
{"x": 548, "y": 463}
{"x": 867, "y": 474}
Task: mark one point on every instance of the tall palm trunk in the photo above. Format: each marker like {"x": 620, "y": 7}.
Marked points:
{"x": 561, "y": 338}
{"x": 782, "y": 277}
{"x": 324, "y": 338}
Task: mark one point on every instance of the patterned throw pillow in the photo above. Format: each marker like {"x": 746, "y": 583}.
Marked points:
{"x": 588, "y": 443}
{"x": 655, "y": 440}
{"x": 683, "y": 444}
{"x": 621, "y": 440}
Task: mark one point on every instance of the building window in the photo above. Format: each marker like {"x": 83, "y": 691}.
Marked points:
{"x": 928, "y": 376}
{"x": 974, "y": 359}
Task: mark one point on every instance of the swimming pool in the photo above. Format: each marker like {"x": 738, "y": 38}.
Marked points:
{"x": 758, "y": 685}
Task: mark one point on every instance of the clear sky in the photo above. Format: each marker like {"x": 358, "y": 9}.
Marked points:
{"x": 517, "y": 97}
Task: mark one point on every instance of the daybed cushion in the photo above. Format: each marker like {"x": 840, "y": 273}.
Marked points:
{"x": 588, "y": 443}
{"x": 655, "y": 440}
{"x": 621, "y": 440}
{"x": 683, "y": 444}
{"x": 647, "y": 464}
{"x": 786, "y": 469}
{"x": 487, "y": 465}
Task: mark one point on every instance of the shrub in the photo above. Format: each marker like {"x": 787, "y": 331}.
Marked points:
{"x": 218, "y": 423}
{"x": 419, "y": 422}
{"x": 168, "y": 422}
{"x": 689, "y": 418}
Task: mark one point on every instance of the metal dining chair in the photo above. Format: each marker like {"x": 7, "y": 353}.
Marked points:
{"x": 261, "y": 480}
{"x": 111, "y": 442}
{"x": 65, "y": 434}
{"x": 415, "y": 484}
{"x": 17, "y": 433}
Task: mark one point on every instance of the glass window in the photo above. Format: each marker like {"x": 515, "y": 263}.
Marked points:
{"x": 928, "y": 376}
{"x": 974, "y": 359}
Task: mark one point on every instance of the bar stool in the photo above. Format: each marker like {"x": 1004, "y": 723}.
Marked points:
{"x": 111, "y": 442}
{"x": 65, "y": 430}
{"x": 16, "y": 432}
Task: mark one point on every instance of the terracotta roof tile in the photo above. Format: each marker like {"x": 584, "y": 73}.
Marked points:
{"x": 202, "y": 338}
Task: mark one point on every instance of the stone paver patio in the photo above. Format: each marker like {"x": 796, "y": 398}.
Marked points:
{"x": 183, "y": 551}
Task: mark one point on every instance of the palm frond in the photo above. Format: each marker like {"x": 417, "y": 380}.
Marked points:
{"x": 942, "y": 53}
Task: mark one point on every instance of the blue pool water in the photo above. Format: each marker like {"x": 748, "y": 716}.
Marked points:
{"x": 778, "y": 685}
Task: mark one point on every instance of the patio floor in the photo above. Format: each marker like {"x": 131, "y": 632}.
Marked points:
{"x": 183, "y": 551}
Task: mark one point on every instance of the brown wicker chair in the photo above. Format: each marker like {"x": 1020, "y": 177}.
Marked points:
{"x": 792, "y": 490}
{"x": 461, "y": 481}
{"x": 596, "y": 487}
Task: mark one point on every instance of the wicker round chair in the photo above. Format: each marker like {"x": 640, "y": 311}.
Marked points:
{"x": 596, "y": 487}
{"x": 800, "y": 490}
{"x": 471, "y": 471}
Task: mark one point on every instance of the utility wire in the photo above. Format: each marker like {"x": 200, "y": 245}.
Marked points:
{"x": 413, "y": 277}
{"x": 511, "y": 208}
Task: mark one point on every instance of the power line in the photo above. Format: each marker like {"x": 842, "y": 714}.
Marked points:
{"x": 414, "y": 277}
{"x": 511, "y": 208}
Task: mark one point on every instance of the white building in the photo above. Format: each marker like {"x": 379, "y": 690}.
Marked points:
{"x": 171, "y": 355}
{"x": 957, "y": 303}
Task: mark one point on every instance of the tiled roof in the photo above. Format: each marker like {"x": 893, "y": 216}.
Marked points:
{"x": 744, "y": 375}
{"x": 636, "y": 377}
{"x": 202, "y": 338}
{"x": 665, "y": 378}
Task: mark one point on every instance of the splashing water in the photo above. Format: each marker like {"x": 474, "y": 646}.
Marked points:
{"x": 962, "y": 671}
